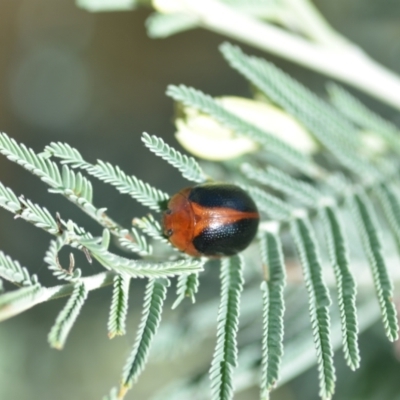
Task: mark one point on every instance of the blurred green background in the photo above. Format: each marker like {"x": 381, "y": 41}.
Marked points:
{"x": 97, "y": 82}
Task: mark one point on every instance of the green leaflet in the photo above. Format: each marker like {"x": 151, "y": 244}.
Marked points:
{"x": 319, "y": 302}
{"x": 187, "y": 286}
{"x": 273, "y": 310}
{"x": 188, "y": 166}
{"x": 119, "y": 306}
{"x": 12, "y": 271}
{"x": 67, "y": 317}
{"x": 108, "y": 173}
{"x": 346, "y": 285}
{"x": 357, "y": 112}
{"x": 369, "y": 229}
{"x": 156, "y": 291}
{"x": 337, "y": 134}
{"x": 279, "y": 180}
{"x": 225, "y": 354}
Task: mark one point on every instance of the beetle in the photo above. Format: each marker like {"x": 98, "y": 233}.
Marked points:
{"x": 211, "y": 219}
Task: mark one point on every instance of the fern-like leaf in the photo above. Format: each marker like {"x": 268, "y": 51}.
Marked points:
{"x": 66, "y": 153}
{"x": 67, "y": 317}
{"x": 51, "y": 258}
{"x": 140, "y": 268}
{"x": 273, "y": 310}
{"x": 108, "y": 173}
{"x": 76, "y": 188}
{"x": 119, "y": 306}
{"x": 12, "y": 271}
{"x": 136, "y": 188}
{"x": 9, "y": 200}
{"x": 156, "y": 291}
{"x": 357, "y": 112}
{"x": 390, "y": 202}
{"x": 370, "y": 233}
{"x": 279, "y": 180}
{"x": 319, "y": 302}
{"x": 271, "y": 205}
{"x": 346, "y": 285}
{"x": 188, "y": 166}
{"x": 38, "y": 216}
{"x": 187, "y": 286}
{"x": 138, "y": 243}
{"x": 338, "y": 135}
{"x": 225, "y": 355}
{"x": 205, "y": 103}
{"x": 151, "y": 227}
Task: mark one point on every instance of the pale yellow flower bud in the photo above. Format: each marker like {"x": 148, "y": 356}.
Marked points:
{"x": 206, "y": 138}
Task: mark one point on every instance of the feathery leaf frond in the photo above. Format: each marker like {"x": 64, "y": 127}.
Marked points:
{"x": 138, "y": 244}
{"x": 188, "y": 166}
{"x": 119, "y": 306}
{"x": 76, "y": 188}
{"x": 67, "y": 317}
{"x": 9, "y": 200}
{"x": 154, "y": 297}
{"x": 367, "y": 224}
{"x": 390, "y": 202}
{"x": 38, "y": 216}
{"x": 205, "y": 103}
{"x": 225, "y": 354}
{"x": 327, "y": 125}
{"x": 67, "y": 154}
{"x": 357, "y": 112}
{"x": 108, "y": 173}
{"x": 12, "y": 271}
{"x": 273, "y": 310}
{"x": 187, "y": 286}
{"x": 346, "y": 285}
{"x": 140, "y": 268}
{"x": 51, "y": 258}
{"x": 279, "y": 180}
{"x": 319, "y": 302}
{"x": 136, "y": 188}
{"x": 271, "y": 205}
{"x": 151, "y": 227}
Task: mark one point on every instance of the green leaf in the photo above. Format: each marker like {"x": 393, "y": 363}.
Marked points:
{"x": 138, "y": 244}
{"x": 51, "y": 258}
{"x": 136, "y": 188}
{"x": 319, "y": 302}
{"x": 346, "y": 285}
{"x": 271, "y": 205}
{"x": 390, "y": 202}
{"x": 156, "y": 291}
{"x": 225, "y": 354}
{"x": 140, "y": 268}
{"x": 67, "y": 317}
{"x": 187, "y": 286}
{"x": 273, "y": 310}
{"x": 188, "y": 166}
{"x": 327, "y": 125}
{"x": 357, "y": 112}
{"x": 283, "y": 182}
{"x": 367, "y": 224}
{"x": 12, "y": 271}
{"x": 9, "y": 200}
{"x": 119, "y": 306}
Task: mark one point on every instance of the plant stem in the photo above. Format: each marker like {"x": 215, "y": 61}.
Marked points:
{"x": 346, "y": 62}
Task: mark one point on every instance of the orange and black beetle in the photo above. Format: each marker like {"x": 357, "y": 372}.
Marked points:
{"x": 211, "y": 219}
